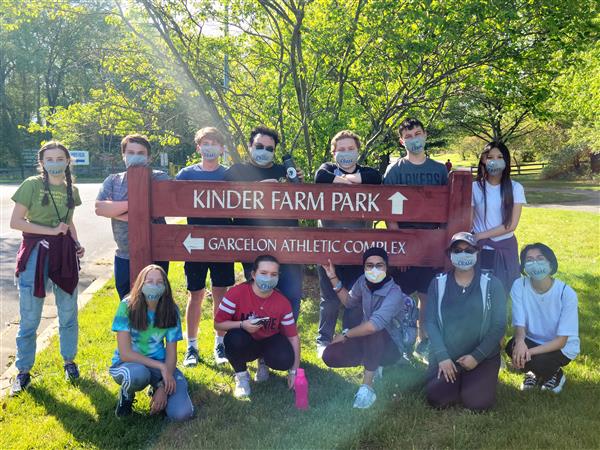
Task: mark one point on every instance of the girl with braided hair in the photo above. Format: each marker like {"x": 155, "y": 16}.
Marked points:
{"x": 43, "y": 211}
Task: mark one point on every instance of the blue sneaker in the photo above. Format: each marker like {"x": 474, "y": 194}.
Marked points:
{"x": 71, "y": 372}
{"x": 20, "y": 384}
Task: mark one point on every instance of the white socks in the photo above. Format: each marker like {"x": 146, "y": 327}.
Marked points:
{"x": 193, "y": 343}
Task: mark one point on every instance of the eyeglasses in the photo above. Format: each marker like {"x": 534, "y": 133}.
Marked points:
{"x": 259, "y": 146}
{"x": 539, "y": 259}
{"x": 469, "y": 250}
{"x": 371, "y": 266}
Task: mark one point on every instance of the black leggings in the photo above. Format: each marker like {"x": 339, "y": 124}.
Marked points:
{"x": 544, "y": 365}
{"x": 241, "y": 348}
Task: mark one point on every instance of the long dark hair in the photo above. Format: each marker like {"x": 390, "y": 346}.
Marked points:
{"x": 506, "y": 190}
{"x": 137, "y": 309}
{"x": 68, "y": 178}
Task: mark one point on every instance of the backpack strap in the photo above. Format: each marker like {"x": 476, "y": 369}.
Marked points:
{"x": 441, "y": 288}
{"x": 484, "y": 285}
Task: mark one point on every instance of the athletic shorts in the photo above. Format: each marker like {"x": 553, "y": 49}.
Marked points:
{"x": 221, "y": 274}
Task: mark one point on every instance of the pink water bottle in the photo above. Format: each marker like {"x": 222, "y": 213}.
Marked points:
{"x": 301, "y": 388}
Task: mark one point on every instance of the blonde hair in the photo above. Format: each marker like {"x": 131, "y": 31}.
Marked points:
{"x": 343, "y": 135}
{"x": 211, "y": 133}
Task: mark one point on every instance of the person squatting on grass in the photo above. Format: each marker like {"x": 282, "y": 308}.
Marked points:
{"x": 112, "y": 203}
{"x": 380, "y": 338}
{"x": 465, "y": 320}
{"x": 210, "y": 144}
{"x": 259, "y": 324}
{"x": 415, "y": 169}
{"x": 44, "y": 207}
{"x": 148, "y": 327}
{"x": 344, "y": 170}
{"x": 497, "y": 203}
{"x": 544, "y": 315}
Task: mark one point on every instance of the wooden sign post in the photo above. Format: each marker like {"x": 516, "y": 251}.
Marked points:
{"x": 449, "y": 206}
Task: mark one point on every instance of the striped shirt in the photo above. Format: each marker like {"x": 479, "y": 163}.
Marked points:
{"x": 241, "y": 303}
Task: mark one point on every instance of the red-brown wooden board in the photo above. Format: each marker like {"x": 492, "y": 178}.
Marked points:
{"x": 448, "y": 205}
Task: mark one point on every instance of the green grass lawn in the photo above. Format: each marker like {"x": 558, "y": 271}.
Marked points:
{"x": 542, "y": 197}
{"x": 534, "y": 181}
{"x": 53, "y": 414}
{"x": 455, "y": 159}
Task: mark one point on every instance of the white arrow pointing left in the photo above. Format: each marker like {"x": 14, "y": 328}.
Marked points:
{"x": 397, "y": 203}
{"x": 191, "y": 243}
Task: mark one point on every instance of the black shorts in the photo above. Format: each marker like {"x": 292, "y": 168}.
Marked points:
{"x": 414, "y": 279}
{"x": 221, "y": 274}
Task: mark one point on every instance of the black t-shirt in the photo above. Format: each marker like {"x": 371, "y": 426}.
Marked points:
{"x": 328, "y": 171}
{"x": 250, "y": 172}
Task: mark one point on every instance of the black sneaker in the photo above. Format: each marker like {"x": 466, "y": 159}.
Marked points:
{"x": 219, "y": 354}
{"x": 191, "y": 358}
{"x": 71, "y": 372}
{"x": 20, "y": 384}
{"x": 125, "y": 405}
{"x": 529, "y": 381}
{"x": 555, "y": 382}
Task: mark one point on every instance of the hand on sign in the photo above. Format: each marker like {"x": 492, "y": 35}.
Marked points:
{"x": 341, "y": 180}
{"x": 354, "y": 178}
{"x": 269, "y": 180}
{"x": 329, "y": 269}
{"x": 300, "y": 175}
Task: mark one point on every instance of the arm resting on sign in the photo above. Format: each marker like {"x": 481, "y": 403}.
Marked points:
{"x": 501, "y": 229}
{"x": 110, "y": 209}
{"x": 19, "y": 222}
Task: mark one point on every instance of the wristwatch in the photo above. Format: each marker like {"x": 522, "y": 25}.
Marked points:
{"x": 345, "y": 333}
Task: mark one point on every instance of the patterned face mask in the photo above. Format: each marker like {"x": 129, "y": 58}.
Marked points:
{"x": 153, "y": 292}
{"x": 495, "y": 166}
{"x": 346, "y": 159}
{"x": 375, "y": 275}
{"x": 415, "y": 145}
{"x": 463, "y": 260}
{"x": 210, "y": 151}
{"x": 55, "y": 167}
{"x": 538, "y": 270}
{"x": 266, "y": 283}
{"x": 261, "y": 157}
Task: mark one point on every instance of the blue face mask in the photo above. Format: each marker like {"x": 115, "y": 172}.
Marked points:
{"x": 415, "y": 145}
{"x": 153, "y": 292}
{"x": 55, "y": 167}
{"x": 346, "y": 159}
{"x": 265, "y": 283}
{"x": 210, "y": 152}
{"x": 495, "y": 166}
{"x": 261, "y": 157}
{"x": 135, "y": 160}
{"x": 538, "y": 270}
{"x": 463, "y": 260}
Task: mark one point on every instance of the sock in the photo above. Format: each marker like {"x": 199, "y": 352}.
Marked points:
{"x": 218, "y": 339}
{"x": 193, "y": 343}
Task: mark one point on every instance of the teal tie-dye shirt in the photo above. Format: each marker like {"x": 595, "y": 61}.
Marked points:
{"x": 149, "y": 342}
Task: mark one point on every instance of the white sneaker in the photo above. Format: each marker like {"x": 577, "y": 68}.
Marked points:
{"x": 262, "y": 372}
{"x": 555, "y": 383}
{"x": 320, "y": 349}
{"x": 365, "y": 397}
{"x": 219, "y": 354}
{"x": 242, "y": 385}
{"x": 378, "y": 374}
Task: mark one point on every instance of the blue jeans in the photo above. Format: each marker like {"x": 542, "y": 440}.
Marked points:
{"x": 121, "y": 268}
{"x": 30, "y": 308}
{"x": 133, "y": 377}
{"x": 329, "y": 306}
{"x": 291, "y": 277}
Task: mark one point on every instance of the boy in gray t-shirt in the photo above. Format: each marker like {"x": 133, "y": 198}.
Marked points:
{"x": 415, "y": 169}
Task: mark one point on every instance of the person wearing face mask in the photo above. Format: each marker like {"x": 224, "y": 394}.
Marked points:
{"x": 44, "y": 208}
{"x": 379, "y": 340}
{"x": 343, "y": 170}
{"x": 261, "y": 167}
{"x": 112, "y": 202}
{"x": 148, "y": 328}
{"x": 465, "y": 320}
{"x": 415, "y": 169}
{"x": 259, "y": 324}
{"x": 545, "y": 321}
{"x": 497, "y": 203}
{"x": 210, "y": 145}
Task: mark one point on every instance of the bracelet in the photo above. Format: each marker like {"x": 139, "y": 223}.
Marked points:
{"x": 338, "y": 287}
{"x": 292, "y": 372}
{"x": 333, "y": 277}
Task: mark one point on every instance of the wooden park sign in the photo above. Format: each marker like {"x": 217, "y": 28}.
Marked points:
{"x": 449, "y": 206}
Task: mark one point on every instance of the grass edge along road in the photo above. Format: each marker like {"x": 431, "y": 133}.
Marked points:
{"x": 53, "y": 414}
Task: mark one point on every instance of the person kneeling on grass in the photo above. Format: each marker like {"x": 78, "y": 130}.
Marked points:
{"x": 259, "y": 324}
{"x": 144, "y": 321}
{"x": 465, "y": 320}
{"x": 544, "y": 314}
{"x": 379, "y": 339}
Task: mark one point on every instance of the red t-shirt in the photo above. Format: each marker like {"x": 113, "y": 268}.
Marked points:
{"x": 241, "y": 302}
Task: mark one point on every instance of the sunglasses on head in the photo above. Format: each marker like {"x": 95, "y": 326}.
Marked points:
{"x": 269, "y": 148}
{"x": 469, "y": 250}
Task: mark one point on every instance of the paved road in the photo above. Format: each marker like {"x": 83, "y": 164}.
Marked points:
{"x": 94, "y": 234}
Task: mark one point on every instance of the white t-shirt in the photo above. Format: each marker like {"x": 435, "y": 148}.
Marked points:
{"x": 493, "y": 218}
{"x": 546, "y": 316}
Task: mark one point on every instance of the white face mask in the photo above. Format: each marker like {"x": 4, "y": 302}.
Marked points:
{"x": 375, "y": 275}
{"x": 261, "y": 157}
{"x": 346, "y": 158}
{"x": 463, "y": 260}
{"x": 210, "y": 152}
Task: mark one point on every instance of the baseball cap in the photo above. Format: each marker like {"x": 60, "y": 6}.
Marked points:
{"x": 463, "y": 236}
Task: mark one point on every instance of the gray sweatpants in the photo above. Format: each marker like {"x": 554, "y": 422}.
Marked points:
{"x": 134, "y": 377}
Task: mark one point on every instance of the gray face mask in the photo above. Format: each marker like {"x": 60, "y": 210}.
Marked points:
{"x": 495, "y": 166}
{"x": 135, "y": 160}
{"x": 261, "y": 157}
{"x": 55, "y": 167}
{"x": 210, "y": 152}
{"x": 346, "y": 159}
{"x": 415, "y": 145}
{"x": 265, "y": 283}
{"x": 153, "y": 292}
{"x": 463, "y": 260}
{"x": 538, "y": 270}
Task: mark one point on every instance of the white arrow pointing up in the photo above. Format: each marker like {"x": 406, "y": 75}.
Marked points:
{"x": 397, "y": 203}
{"x": 191, "y": 243}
